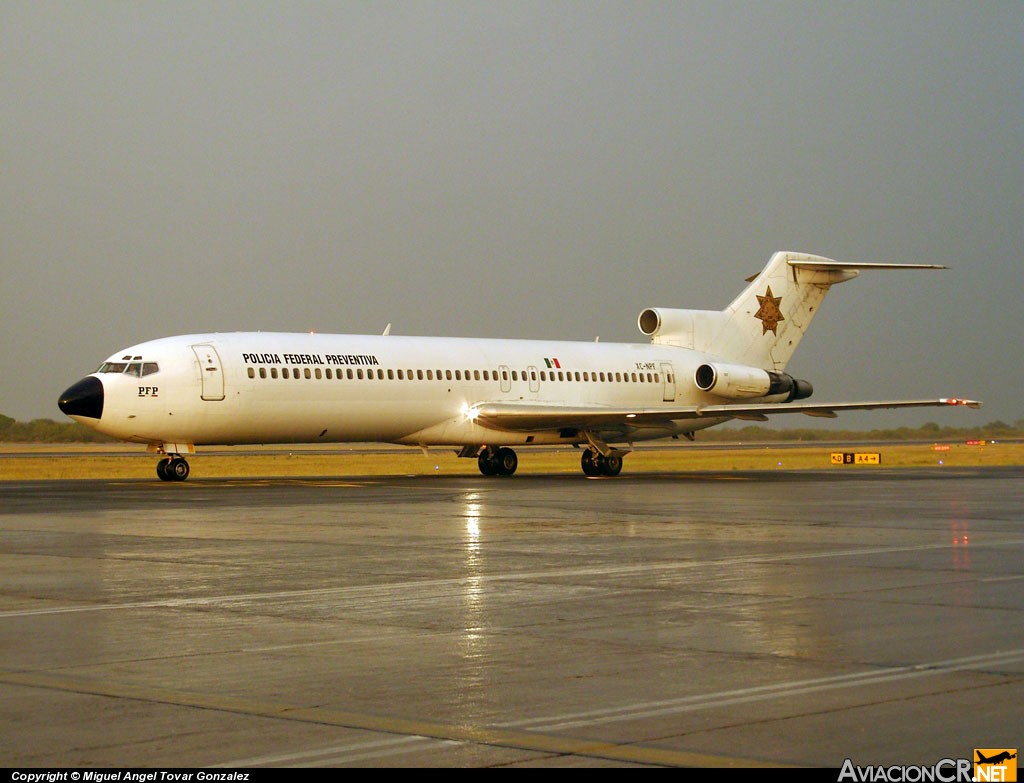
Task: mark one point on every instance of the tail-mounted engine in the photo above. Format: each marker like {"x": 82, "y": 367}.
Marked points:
{"x": 739, "y": 383}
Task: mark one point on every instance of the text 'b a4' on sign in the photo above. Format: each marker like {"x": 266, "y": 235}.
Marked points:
{"x": 856, "y": 458}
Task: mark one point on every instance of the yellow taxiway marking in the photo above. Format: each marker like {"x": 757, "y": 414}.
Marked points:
{"x": 388, "y": 724}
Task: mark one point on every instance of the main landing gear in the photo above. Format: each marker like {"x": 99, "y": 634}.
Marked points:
{"x": 594, "y": 463}
{"x": 172, "y": 469}
{"x": 497, "y": 462}
{"x": 503, "y": 462}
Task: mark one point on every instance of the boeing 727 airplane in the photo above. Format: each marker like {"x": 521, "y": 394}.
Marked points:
{"x": 481, "y": 396}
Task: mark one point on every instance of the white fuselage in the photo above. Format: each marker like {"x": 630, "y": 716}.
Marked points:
{"x": 257, "y": 387}
{"x": 485, "y": 396}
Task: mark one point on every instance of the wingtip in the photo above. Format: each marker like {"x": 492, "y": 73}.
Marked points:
{"x": 961, "y": 401}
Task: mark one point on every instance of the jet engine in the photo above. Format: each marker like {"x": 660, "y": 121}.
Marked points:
{"x": 738, "y": 382}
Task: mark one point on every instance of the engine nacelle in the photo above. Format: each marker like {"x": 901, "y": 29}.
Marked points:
{"x": 655, "y": 321}
{"x": 739, "y": 383}
{"x": 686, "y": 328}
{"x": 732, "y": 380}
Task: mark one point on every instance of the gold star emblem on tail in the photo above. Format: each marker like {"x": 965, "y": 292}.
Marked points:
{"x": 769, "y": 313}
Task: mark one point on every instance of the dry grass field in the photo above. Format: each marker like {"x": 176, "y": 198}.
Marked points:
{"x": 80, "y": 461}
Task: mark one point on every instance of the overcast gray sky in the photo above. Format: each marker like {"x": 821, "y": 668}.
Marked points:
{"x": 514, "y": 169}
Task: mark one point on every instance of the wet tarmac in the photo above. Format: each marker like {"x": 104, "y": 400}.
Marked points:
{"x": 694, "y": 619}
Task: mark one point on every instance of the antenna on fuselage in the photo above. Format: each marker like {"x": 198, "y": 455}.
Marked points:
{"x": 387, "y": 330}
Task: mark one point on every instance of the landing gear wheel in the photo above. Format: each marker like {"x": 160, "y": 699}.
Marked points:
{"x": 595, "y": 464}
{"x": 500, "y": 462}
{"x": 507, "y": 462}
{"x": 161, "y": 469}
{"x": 487, "y": 463}
{"x": 177, "y": 469}
{"x": 611, "y": 465}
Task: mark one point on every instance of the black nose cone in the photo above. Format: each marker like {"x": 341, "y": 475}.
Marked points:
{"x": 85, "y": 398}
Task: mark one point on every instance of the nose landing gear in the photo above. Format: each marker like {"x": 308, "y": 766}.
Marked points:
{"x": 172, "y": 469}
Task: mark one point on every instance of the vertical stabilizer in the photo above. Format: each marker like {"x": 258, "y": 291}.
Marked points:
{"x": 765, "y": 323}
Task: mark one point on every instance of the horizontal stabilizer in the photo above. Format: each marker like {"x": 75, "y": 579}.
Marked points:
{"x": 822, "y": 265}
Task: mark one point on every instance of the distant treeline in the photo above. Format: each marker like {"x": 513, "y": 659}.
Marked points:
{"x": 994, "y": 430}
{"x": 49, "y": 431}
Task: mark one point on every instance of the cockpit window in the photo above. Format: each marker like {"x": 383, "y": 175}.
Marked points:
{"x": 138, "y": 369}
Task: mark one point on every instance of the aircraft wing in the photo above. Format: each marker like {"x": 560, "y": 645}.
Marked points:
{"x": 532, "y": 417}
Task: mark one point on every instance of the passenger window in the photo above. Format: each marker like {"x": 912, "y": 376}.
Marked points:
{"x": 306, "y": 373}
{"x": 284, "y": 372}
{"x": 252, "y": 373}
{"x": 273, "y": 372}
{"x": 263, "y": 372}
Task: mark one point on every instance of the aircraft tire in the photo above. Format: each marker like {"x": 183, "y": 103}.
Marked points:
{"x": 589, "y": 463}
{"x": 611, "y": 465}
{"x": 487, "y": 463}
{"x": 161, "y": 469}
{"x": 177, "y": 469}
{"x": 506, "y": 462}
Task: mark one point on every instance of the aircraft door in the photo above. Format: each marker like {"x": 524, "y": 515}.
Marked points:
{"x": 210, "y": 370}
{"x": 668, "y": 379}
{"x": 506, "y": 378}
{"x": 534, "y": 378}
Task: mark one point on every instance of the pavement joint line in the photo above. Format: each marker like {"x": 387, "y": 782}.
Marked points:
{"x": 482, "y": 735}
